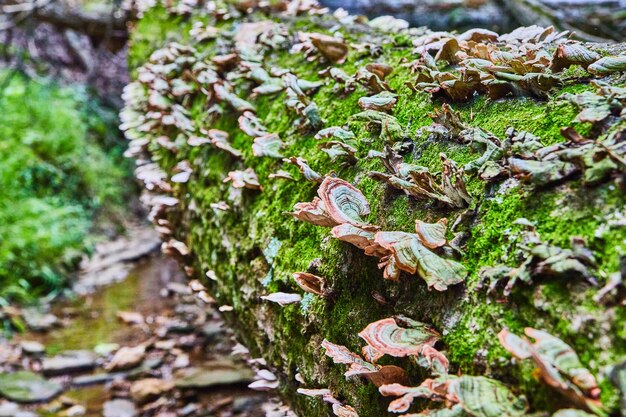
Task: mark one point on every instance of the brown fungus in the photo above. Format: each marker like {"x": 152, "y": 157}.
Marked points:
{"x": 305, "y": 169}
{"x": 558, "y": 364}
{"x": 376, "y": 374}
{"x": 344, "y": 202}
{"x": 387, "y": 337}
{"x": 267, "y": 145}
{"x": 432, "y": 235}
{"x": 313, "y": 212}
{"x": 311, "y": 283}
{"x": 411, "y": 256}
{"x": 244, "y": 179}
{"x": 332, "y": 48}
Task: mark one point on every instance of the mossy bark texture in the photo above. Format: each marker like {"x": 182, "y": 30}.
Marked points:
{"x": 253, "y": 247}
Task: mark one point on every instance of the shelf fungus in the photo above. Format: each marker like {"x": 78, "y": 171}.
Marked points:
{"x": 244, "y": 179}
{"x": 574, "y": 53}
{"x": 339, "y": 151}
{"x": 608, "y": 65}
{"x": 465, "y": 395}
{"x": 542, "y": 259}
{"x": 267, "y": 145}
{"x": 281, "y": 174}
{"x": 219, "y": 139}
{"x": 175, "y": 248}
{"x": 376, "y": 374}
{"x": 282, "y": 298}
{"x": 390, "y": 129}
{"x": 485, "y": 397}
{"x": 432, "y": 235}
{"x": 343, "y": 201}
{"x": 332, "y": 48}
{"x": 336, "y": 133}
{"x": 224, "y": 93}
{"x": 361, "y": 238}
{"x": 419, "y": 182}
{"x": 388, "y": 337}
{"x": 305, "y": 169}
{"x": 314, "y": 213}
{"x": 411, "y": 255}
{"x": 430, "y": 389}
{"x": 558, "y": 364}
{"x": 384, "y": 101}
{"x": 251, "y": 125}
{"x": 311, "y": 283}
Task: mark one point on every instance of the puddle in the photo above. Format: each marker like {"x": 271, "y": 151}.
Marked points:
{"x": 92, "y": 319}
{"x": 180, "y": 331}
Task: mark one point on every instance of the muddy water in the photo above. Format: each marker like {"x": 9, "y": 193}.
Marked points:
{"x": 92, "y": 320}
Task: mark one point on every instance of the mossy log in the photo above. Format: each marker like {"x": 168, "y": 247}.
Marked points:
{"x": 244, "y": 241}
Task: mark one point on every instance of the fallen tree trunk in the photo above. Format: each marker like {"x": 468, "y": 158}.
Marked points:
{"x": 102, "y": 23}
{"x": 595, "y": 21}
{"x": 218, "y": 109}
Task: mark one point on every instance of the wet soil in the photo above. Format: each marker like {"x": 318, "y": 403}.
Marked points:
{"x": 156, "y": 289}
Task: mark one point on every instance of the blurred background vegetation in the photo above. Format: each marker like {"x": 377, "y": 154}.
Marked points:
{"x": 61, "y": 168}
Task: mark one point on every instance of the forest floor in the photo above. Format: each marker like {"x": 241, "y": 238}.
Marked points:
{"x": 138, "y": 341}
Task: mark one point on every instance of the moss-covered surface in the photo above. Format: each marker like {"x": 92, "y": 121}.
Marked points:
{"x": 255, "y": 247}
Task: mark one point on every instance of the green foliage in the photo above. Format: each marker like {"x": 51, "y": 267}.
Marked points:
{"x": 54, "y": 176}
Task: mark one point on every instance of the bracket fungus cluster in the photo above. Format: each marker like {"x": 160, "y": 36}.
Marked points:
{"x": 342, "y": 206}
{"x": 250, "y": 100}
{"x": 558, "y": 364}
